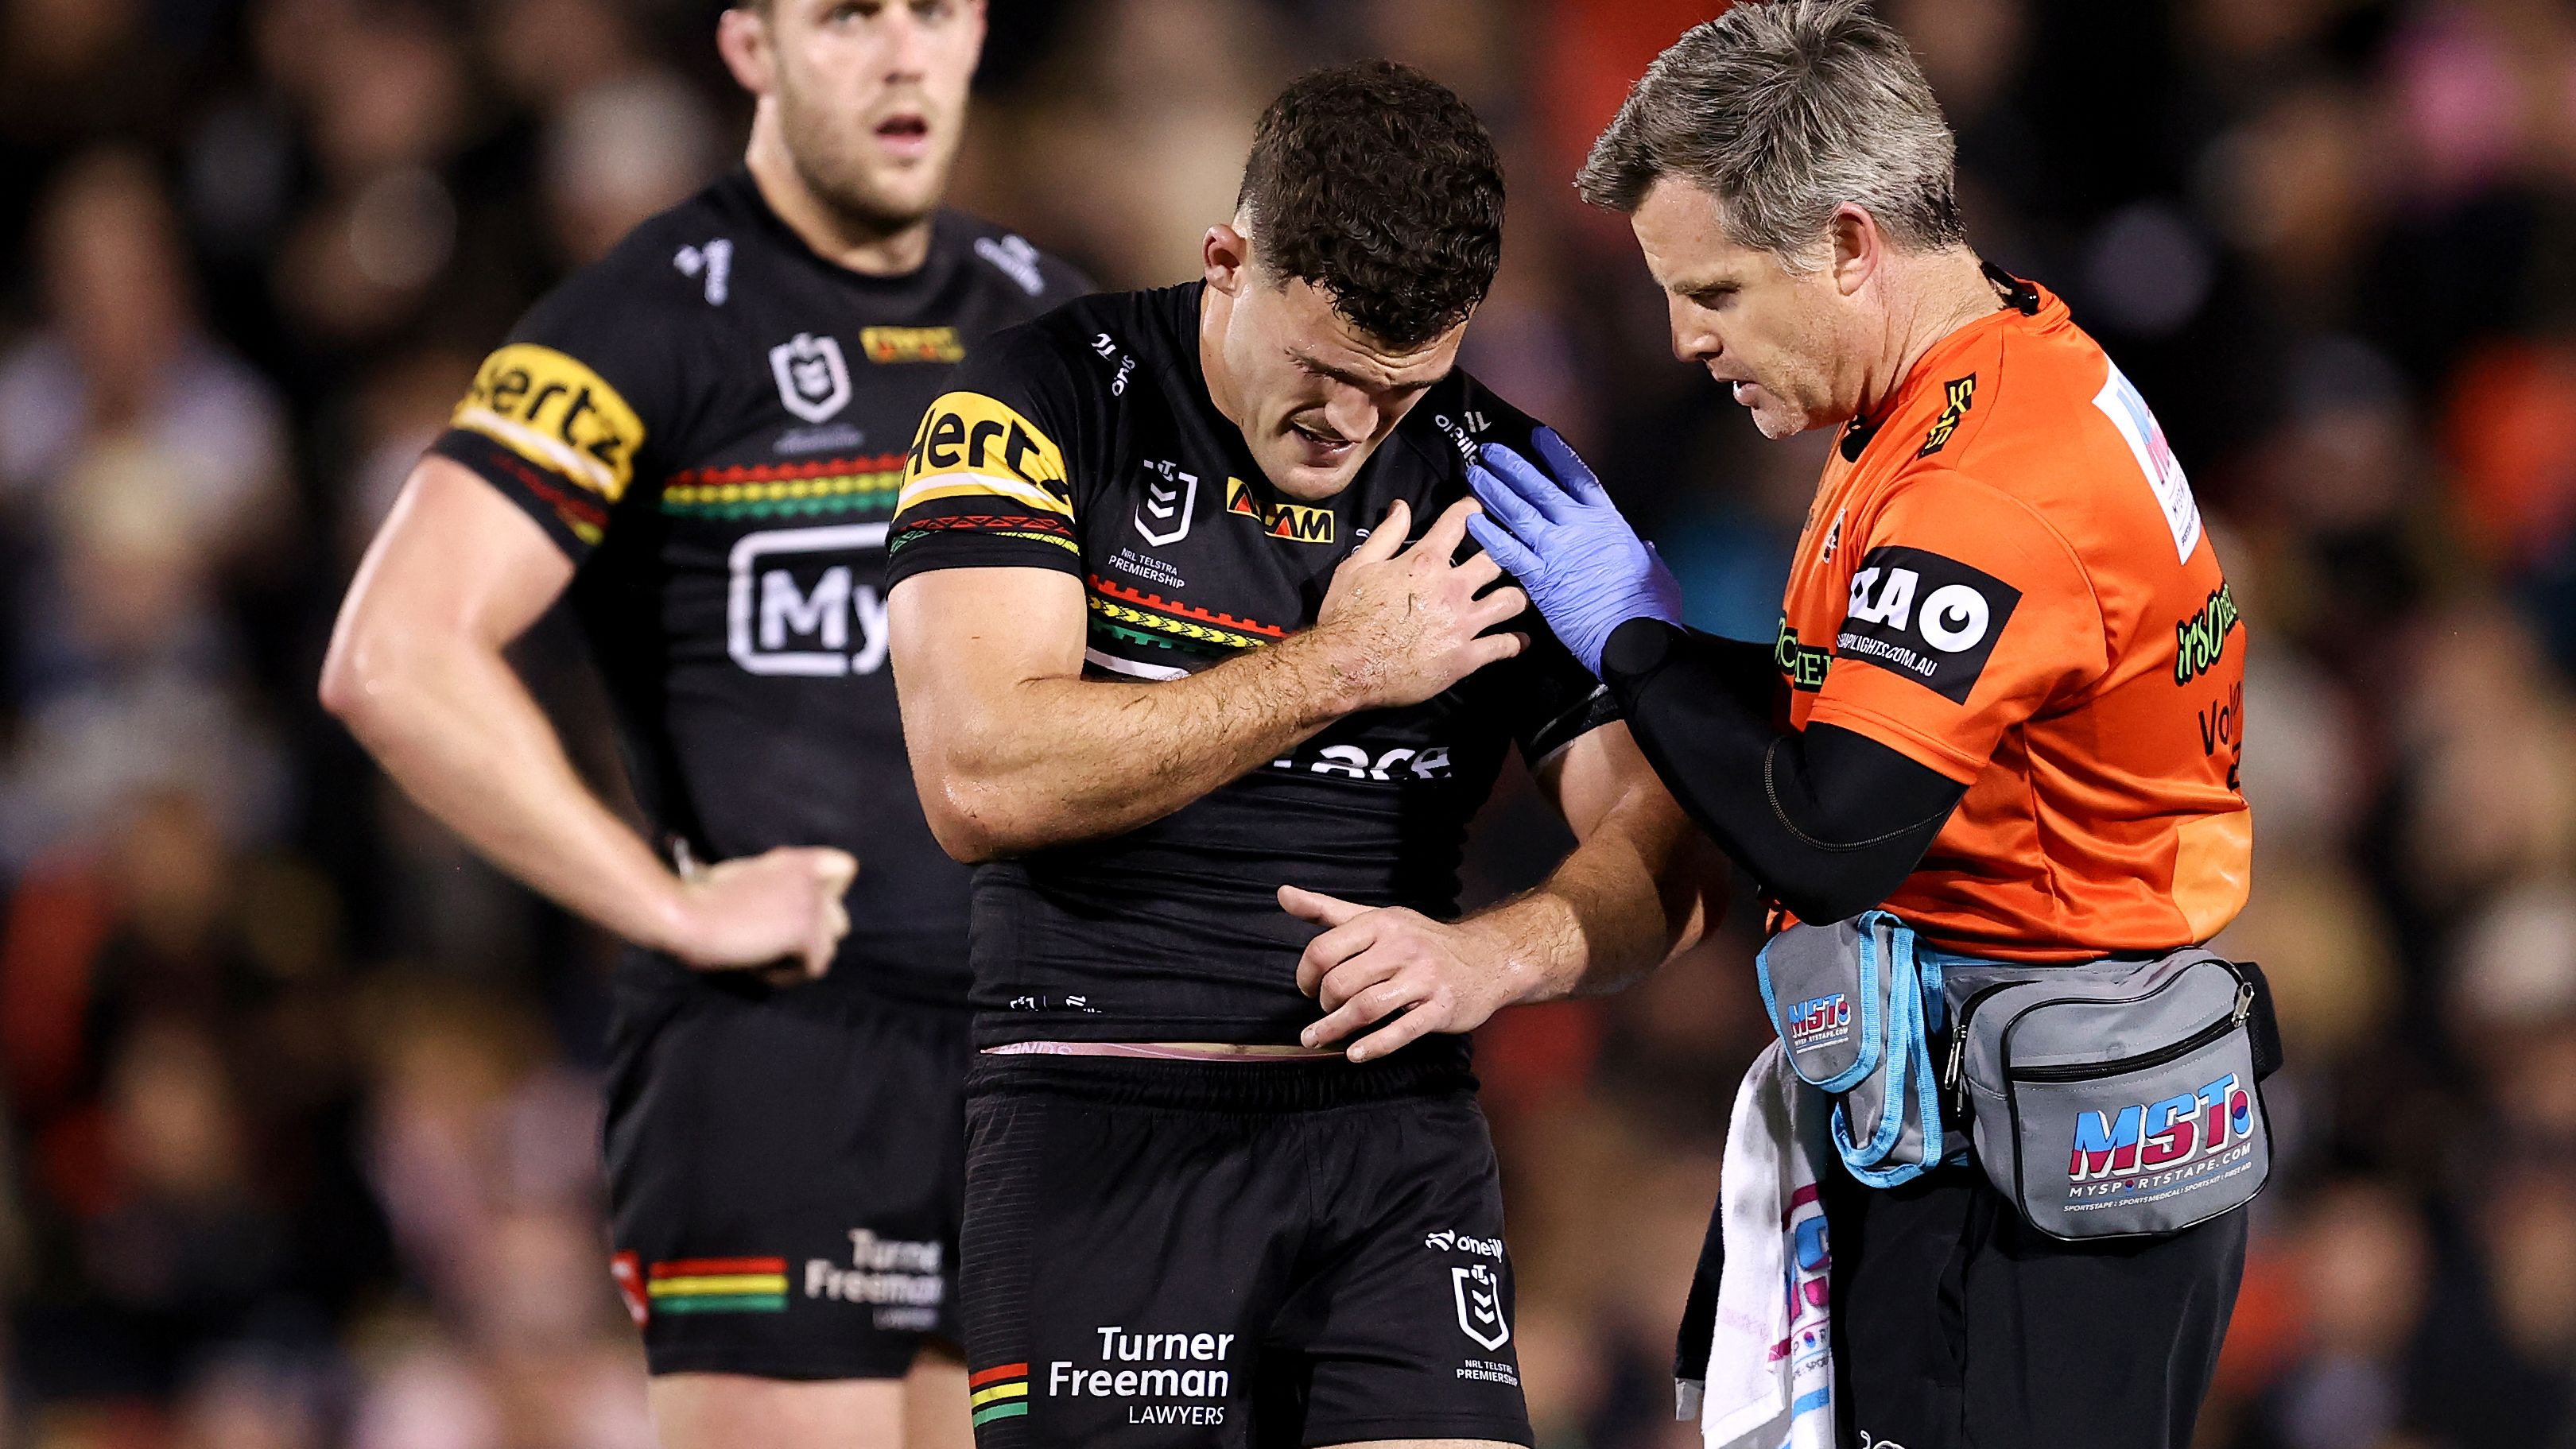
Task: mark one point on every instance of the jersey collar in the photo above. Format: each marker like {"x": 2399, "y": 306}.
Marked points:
{"x": 2020, "y": 303}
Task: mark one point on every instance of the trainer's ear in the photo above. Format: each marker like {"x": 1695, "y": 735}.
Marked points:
{"x": 743, "y": 39}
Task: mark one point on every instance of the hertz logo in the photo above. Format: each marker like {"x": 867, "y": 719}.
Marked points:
{"x": 973, "y": 446}
{"x": 1280, "y": 520}
{"x": 912, "y": 344}
{"x": 552, "y": 410}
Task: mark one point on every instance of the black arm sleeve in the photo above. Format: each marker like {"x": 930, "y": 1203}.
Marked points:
{"x": 1828, "y": 820}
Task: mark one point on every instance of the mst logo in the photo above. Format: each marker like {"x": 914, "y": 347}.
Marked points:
{"x": 813, "y": 378}
{"x": 2156, "y": 1144}
{"x": 1929, "y": 618}
{"x": 1820, "y": 1021}
{"x": 795, "y": 606}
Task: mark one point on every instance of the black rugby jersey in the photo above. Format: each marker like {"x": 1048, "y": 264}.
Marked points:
{"x": 711, "y": 422}
{"x": 1086, "y": 442}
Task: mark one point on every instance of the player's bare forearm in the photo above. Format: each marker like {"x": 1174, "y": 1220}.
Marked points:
{"x": 1051, "y": 760}
{"x": 417, "y": 671}
{"x": 1636, "y": 891}
{"x": 1640, "y": 885}
{"x": 1014, "y": 750}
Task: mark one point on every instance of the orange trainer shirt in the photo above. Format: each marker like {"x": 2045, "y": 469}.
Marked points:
{"x": 2006, "y": 579}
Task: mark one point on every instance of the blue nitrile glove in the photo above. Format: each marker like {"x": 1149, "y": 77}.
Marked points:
{"x": 1567, "y": 546}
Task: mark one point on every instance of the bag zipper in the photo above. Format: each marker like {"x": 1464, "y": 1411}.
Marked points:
{"x": 1954, "y": 1073}
{"x": 2084, "y": 1071}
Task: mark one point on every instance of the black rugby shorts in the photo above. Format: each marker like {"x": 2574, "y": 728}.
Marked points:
{"x": 1276, "y": 1254}
{"x": 785, "y": 1176}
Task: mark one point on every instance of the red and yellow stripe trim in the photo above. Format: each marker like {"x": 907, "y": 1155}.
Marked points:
{"x": 718, "y": 1285}
{"x": 999, "y": 1392}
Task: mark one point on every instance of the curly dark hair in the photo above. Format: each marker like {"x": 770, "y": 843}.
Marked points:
{"x": 1375, "y": 183}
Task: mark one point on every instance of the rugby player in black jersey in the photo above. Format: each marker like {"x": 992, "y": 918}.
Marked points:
{"x": 1191, "y": 664}
{"x": 701, "y": 439}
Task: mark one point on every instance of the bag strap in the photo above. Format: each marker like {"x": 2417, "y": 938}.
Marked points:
{"x": 2263, "y": 1025}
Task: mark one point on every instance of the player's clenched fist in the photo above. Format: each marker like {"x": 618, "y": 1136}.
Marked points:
{"x": 1407, "y": 623}
{"x": 780, "y": 910}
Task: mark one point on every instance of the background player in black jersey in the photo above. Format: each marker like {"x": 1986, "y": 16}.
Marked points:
{"x": 1177, "y": 671}
{"x": 701, "y": 439}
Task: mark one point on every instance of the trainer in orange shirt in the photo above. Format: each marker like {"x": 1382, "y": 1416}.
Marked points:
{"x": 2004, "y": 703}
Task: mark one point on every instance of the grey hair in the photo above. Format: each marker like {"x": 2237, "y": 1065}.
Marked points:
{"x": 1783, "y": 111}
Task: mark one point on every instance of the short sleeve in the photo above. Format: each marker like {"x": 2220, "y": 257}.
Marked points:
{"x": 1552, "y": 700}
{"x": 987, "y": 484}
{"x": 1967, "y": 615}
{"x": 1555, "y": 701}
{"x": 561, "y": 418}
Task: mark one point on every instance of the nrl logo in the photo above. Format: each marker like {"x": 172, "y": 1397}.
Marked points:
{"x": 1478, "y": 1291}
{"x": 1177, "y": 496}
{"x": 813, "y": 377}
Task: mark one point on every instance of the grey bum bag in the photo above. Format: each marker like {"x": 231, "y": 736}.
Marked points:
{"x": 2117, "y": 1098}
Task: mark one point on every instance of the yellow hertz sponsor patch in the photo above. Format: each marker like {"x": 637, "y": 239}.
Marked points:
{"x": 912, "y": 344}
{"x": 552, "y": 410}
{"x": 1280, "y": 520}
{"x": 970, "y": 445}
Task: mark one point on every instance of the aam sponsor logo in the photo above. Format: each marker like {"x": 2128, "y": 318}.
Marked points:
{"x": 1931, "y": 619}
{"x": 1298, "y": 521}
{"x": 911, "y": 344}
{"x": 794, "y": 604}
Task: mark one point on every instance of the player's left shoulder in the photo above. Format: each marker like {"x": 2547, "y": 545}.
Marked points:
{"x": 1042, "y": 279}
{"x": 1456, "y": 417}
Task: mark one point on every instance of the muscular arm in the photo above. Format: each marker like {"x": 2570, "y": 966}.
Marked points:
{"x": 1014, "y": 750}
{"x": 1640, "y": 885}
{"x": 416, "y": 670}
{"x": 1828, "y": 820}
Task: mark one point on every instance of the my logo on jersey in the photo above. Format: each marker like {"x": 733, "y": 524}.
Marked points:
{"x": 911, "y": 344}
{"x": 1478, "y": 1290}
{"x": 1931, "y": 619}
{"x": 1280, "y": 520}
{"x": 1163, "y": 515}
{"x": 795, "y": 605}
{"x": 813, "y": 378}
{"x": 551, "y": 409}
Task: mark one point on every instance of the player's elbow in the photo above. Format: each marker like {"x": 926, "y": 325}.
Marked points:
{"x": 365, "y": 671}
{"x": 970, "y": 813}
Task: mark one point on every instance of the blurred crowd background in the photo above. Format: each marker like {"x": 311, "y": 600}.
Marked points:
{"x": 298, "y": 1099}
